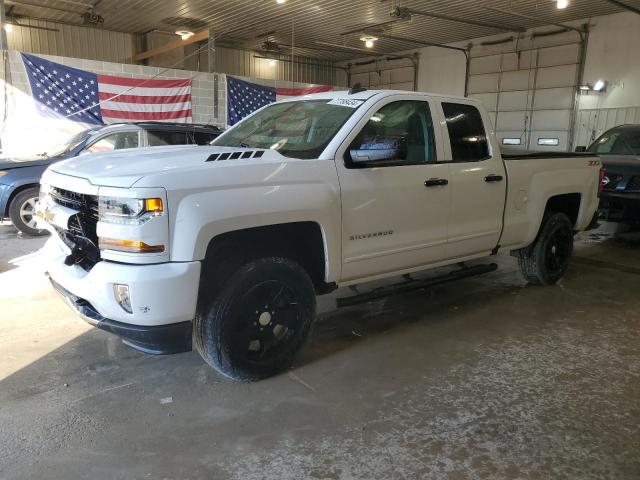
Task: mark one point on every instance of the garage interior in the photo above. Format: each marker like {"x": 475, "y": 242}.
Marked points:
{"x": 486, "y": 377}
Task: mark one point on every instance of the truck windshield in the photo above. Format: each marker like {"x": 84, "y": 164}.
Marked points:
{"x": 618, "y": 142}
{"x": 299, "y": 129}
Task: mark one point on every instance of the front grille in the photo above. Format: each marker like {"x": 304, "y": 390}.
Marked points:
{"x": 83, "y": 224}
{"x": 80, "y": 236}
{"x": 634, "y": 183}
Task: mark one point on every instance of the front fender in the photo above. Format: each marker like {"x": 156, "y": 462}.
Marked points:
{"x": 16, "y": 179}
{"x": 202, "y": 216}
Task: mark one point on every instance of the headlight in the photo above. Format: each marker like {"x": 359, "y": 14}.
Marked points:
{"x": 129, "y": 211}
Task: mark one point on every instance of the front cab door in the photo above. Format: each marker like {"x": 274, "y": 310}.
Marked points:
{"x": 395, "y": 196}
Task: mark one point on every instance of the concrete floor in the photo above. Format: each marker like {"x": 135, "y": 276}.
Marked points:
{"x": 485, "y": 378}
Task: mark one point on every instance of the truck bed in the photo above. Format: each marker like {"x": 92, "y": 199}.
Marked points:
{"x": 533, "y": 155}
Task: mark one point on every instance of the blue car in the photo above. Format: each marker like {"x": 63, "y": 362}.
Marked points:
{"x": 20, "y": 180}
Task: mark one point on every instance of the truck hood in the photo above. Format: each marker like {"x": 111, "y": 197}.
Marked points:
{"x": 123, "y": 169}
{"x": 9, "y": 164}
{"x": 621, "y": 163}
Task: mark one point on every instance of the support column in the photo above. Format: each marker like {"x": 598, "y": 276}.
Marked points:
{"x": 3, "y": 32}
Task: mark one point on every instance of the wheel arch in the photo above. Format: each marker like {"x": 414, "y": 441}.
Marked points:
{"x": 16, "y": 191}
{"x": 302, "y": 241}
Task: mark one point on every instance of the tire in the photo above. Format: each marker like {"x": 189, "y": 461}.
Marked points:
{"x": 546, "y": 260}
{"x": 22, "y": 212}
{"x": 258, "y": 319}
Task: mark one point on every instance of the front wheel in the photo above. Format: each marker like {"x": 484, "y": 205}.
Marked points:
{"x": 258, "y": 319}
{"x": 22, "y": 212}
{"x": 547, "y": 259}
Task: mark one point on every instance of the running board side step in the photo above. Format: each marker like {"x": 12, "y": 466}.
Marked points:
{"x": 412, "y": 285}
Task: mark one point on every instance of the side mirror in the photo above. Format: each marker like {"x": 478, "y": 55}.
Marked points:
{"x": 361, "y": 156}
{"x": 581, "y": 149}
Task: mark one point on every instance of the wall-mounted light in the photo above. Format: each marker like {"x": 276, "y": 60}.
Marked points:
{"x": 562, "y": 4}
{"x": 271, "y": 62}
{"x": 184, "y": 34}
{"x": 584, "y": 88}
{"x": 8, "y": 27}
{"x": 369, "y": 40}
{"x": 600, "y": 86}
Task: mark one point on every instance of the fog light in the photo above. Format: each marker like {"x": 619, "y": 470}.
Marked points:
{"x": 121, "y": 292}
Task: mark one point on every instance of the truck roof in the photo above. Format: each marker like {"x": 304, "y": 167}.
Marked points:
{"x": 366, "y": 94}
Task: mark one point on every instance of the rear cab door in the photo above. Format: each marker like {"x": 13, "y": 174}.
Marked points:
{"x": 391, "y": 220}
{"x": 478, "y": 180}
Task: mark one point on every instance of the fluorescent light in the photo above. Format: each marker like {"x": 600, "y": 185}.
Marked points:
{"x": 8, "y": 27}
{"x": 280, "y": 1}
{"x": 272, "y": 62}
{"x": 549, "y": 142}
{"x": 584, "y": 88}
{"x": 562, "y": 4}
{"x": 599, "y": 85}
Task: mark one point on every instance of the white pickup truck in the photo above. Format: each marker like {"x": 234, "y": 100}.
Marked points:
{"x": 229, "y": 244}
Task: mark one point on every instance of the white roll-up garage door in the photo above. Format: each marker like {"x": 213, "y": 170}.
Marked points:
{"x": 529, "y": 91}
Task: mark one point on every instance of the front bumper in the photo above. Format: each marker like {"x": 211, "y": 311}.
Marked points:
{"x": 159, "y": 340}
{"x": 163, "y": 298}
{"x": 620, "y": 207}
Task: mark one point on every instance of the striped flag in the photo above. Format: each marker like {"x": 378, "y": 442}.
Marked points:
{"x": 245, "y": 97}
{"x": 82, "y": 96}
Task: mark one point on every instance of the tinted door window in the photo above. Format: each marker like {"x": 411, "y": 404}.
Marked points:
{"x": 115, "y": 141}
{"x": 157, "y": 138}
{"x": 203, "y": 138}
{"x": 400, "y": 133}
{"x": 466, "y": 133}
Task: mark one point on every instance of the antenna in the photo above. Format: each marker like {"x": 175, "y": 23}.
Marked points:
{"x": 357, "y": 88}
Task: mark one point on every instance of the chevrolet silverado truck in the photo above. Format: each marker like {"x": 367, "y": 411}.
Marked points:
{"x": 227, "y": 246}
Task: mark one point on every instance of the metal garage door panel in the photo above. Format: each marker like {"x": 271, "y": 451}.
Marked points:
{"x": 561, "y": 135}
{"x": 487, "y": 99}
{"x": 519, "y": 80}
{"x": 551, "y": 120}
{"x": 510, "y": 62}
{"x": 483, "y": 83}
{"x": 510, "y": 101}
{"x": 508, "y": 121}
{"x": 561, "y": 55}
{"x": 489, "y": 64}
{"x": 563, "y": 76}
{"x": 555, "y": 98}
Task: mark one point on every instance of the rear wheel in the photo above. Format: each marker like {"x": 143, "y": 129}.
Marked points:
{"x": 22, "y": 212}
{"x": 258, "y": 319}
{"x": 547, "y": 259}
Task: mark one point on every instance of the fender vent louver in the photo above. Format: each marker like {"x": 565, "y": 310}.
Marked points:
{"x": 234, "y": 155}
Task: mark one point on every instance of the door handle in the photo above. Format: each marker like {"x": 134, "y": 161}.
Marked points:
{"x": 436, "y": 182}
{"x": 493, "y": 178}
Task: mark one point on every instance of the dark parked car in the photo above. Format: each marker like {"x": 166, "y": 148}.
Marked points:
{"x": 19, "y": 180}
{"x": 619, "y": 150}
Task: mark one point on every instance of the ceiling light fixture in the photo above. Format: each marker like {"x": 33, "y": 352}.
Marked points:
{"x": 280, "y": 2}
{"x": 184, "y": 34}
{"x": 562, "y": 4}
{"x": 272, "y": 62}
{"x": 368, "y": 40}
{"x": 8, "y": 27}
{"x": 599, "y": 86}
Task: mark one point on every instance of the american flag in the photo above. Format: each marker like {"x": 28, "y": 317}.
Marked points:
{"x": 245, "y": 97}
{"x": 81, "y": 96}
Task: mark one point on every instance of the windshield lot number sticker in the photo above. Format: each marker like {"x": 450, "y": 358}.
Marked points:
{"x": 346, "y": 102}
